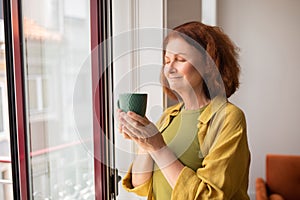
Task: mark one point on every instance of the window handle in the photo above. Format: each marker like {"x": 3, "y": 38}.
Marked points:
{"x": 114, "y": 181}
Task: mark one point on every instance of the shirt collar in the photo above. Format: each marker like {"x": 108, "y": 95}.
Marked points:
{"x": 215, "y": 105}
{"x": 176, "y": 109}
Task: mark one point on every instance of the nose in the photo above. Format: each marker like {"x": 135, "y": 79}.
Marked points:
{"x": 170, "y": 67}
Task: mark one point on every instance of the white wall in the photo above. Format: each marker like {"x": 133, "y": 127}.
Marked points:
{"x": 267, "y": 33}
{"x": 179, "y": 12}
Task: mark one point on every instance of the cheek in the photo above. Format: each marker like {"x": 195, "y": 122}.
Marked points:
{"x": 165, "y": 70}
{"x": 188, "y": 70}
{"x": 192, "y": 75}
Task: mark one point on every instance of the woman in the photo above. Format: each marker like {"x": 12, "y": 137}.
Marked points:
{"x": 198, "y": 149}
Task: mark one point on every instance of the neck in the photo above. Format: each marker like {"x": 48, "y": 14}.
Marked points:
{"x": 194, "y": 101}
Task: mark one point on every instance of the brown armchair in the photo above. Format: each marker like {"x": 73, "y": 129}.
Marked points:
{"x": 282, "y": 179}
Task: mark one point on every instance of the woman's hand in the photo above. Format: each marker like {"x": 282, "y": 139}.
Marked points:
{"x": 120, "y": 125}
{"x": 140, "y": 130}
{"x": 147, "y": 136}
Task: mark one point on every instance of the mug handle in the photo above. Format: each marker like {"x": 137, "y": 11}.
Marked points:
{"x": 118, "y": 103}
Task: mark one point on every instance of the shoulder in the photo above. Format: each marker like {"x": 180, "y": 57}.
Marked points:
{"x": 231, "y": 117}
{"x": 234, "y": 112}
{"x": 221, "y": 109}
{"x": 228, "y": 116}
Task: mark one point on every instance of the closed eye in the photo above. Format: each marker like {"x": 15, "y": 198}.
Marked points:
{"x": 166, "y": 60}
{"x": 177, "y": 58}
{"x": 180, "y": 59}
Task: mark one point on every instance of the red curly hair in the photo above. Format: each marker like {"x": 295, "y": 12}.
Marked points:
{"x": 220, "y": 51}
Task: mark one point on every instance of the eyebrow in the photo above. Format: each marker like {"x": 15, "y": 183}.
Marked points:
{"x": 176, "y": 54}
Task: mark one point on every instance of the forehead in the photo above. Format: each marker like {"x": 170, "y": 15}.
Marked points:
{"x": 178, "y": 45}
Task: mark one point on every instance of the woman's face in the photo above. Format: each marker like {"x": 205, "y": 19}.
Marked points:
{"x": 180, "y": 59}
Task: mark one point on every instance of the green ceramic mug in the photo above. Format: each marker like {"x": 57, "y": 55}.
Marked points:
{"x": 135, "y": 102}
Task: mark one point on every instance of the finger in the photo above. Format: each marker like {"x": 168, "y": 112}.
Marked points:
{"x": 126, "y": 120}
{"x": 143, "y": 120}
{"x": 120, "y": 124}
{"x": 126, "y": 136}
{"x": 119, "y": 110}
{"x": 135, "y": 128}
{"x": 130, "y": 134}
{"x": 120, "y": 128}
{"x": 119, "y": 113}
{"x": 143, "y": 125}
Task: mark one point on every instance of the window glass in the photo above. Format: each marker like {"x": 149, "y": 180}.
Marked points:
{"x": 5, "y": 164}
{"x": 56, "y": 53}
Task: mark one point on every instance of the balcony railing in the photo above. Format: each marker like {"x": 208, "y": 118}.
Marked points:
{"x": 6, "y": 160}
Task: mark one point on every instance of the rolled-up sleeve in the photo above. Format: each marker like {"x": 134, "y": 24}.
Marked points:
{"x": 225, "y": 169}
{"x": 141, "y": 190}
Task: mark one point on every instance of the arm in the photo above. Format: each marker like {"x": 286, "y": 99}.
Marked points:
{"x": 224, "y": 174}
{"x": 142, "y": 168}
{"x": 168, "y": 163}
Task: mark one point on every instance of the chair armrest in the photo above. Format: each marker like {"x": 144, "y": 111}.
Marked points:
{"x": 261, "y": 190}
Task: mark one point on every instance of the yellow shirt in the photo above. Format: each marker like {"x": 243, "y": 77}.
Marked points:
{"x": 181, "y": 138}
{"x": 225, "y": 167}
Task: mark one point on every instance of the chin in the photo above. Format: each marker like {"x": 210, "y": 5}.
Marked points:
{"x": 177, "y": 88}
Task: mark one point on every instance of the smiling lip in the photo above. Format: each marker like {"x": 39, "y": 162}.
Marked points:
{"x": 175, "y": 77}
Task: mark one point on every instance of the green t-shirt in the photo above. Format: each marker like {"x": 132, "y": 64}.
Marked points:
{"x": 181, "y": 137}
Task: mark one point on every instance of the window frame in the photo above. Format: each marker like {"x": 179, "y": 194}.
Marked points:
{"x": 100, "y": 19}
